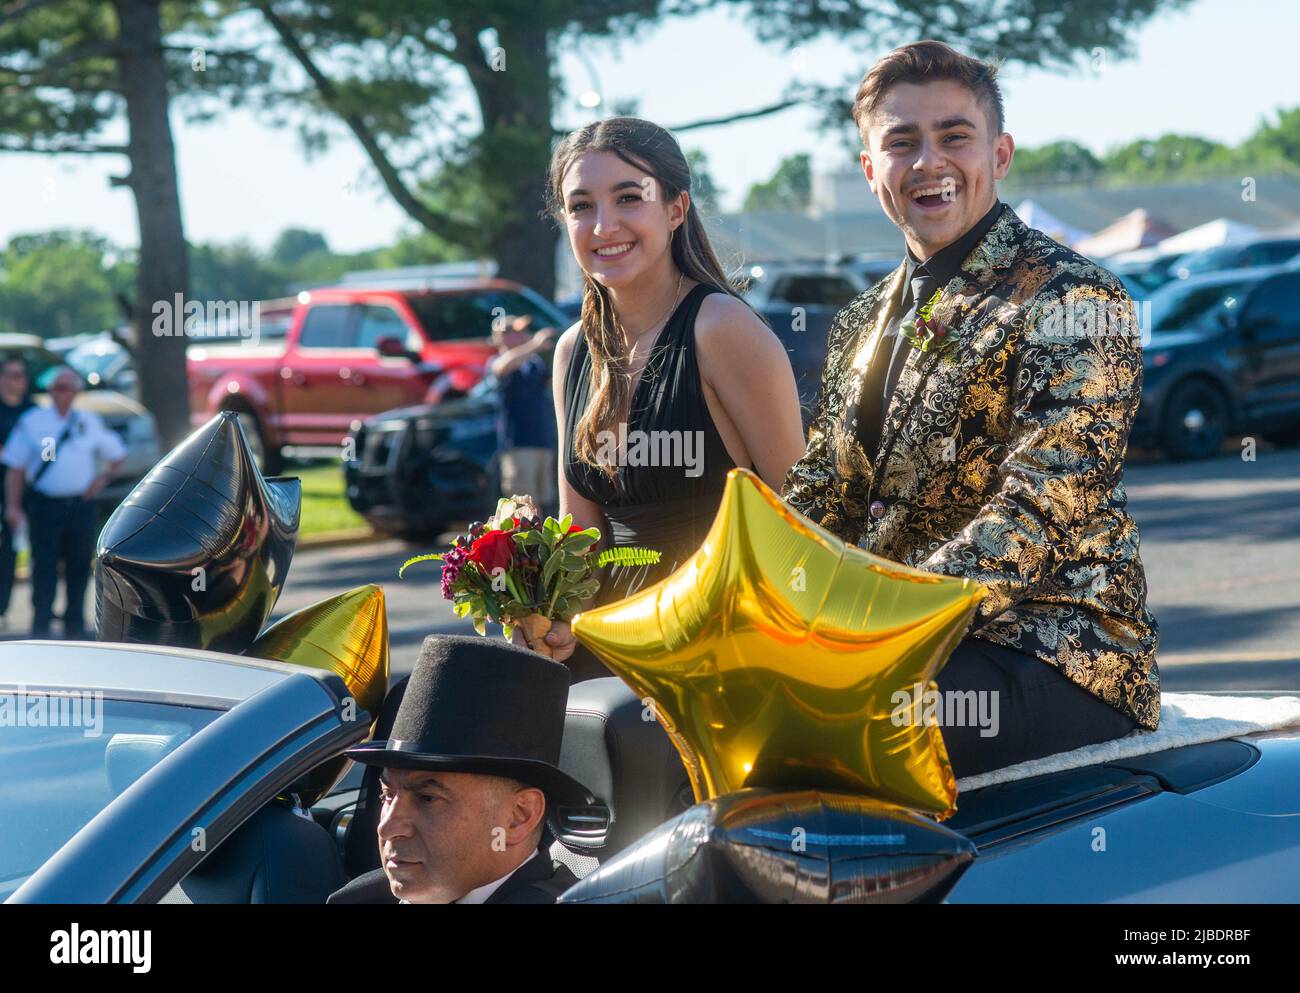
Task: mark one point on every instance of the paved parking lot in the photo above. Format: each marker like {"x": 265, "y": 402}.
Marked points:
{"x": 1220, "y": 542}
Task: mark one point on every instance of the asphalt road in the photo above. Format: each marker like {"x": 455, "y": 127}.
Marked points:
{"x": 1220, "y": 543}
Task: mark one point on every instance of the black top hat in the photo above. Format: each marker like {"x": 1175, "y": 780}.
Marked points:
{"x": 482, "y": 706}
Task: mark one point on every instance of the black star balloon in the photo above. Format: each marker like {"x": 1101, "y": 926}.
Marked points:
{"x": 197, "y": 554}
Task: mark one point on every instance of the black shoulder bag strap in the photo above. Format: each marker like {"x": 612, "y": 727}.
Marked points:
{"x": 58, "y": 443}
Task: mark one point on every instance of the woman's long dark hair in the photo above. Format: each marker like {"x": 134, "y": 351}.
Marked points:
{"x": 654, "y": 150}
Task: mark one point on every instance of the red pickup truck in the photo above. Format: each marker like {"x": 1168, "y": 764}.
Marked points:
{"x": 351, "y": 353}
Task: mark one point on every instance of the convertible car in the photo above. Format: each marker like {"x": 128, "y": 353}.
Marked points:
{"x": 134, "y": 774}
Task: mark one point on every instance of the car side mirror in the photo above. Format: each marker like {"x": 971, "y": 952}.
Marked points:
{"x": 392, "y": 347}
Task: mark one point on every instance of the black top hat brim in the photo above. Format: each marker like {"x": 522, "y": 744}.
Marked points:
{"x": 558, "y": 785}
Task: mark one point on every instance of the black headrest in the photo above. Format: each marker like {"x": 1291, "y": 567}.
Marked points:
{"x": 613, "y": 746}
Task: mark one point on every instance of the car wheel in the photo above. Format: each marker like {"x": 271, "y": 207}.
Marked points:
{"x": 269, "y": 462}
{"x": 1195, "y": 420}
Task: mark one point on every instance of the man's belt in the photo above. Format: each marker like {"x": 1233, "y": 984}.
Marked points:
{"x": 40, "y": 497}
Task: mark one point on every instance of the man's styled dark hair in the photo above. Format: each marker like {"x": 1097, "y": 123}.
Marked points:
{"x": 924, "y": 62}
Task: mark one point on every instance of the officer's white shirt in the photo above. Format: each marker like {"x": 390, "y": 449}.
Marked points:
{"x": 73, "y": 464}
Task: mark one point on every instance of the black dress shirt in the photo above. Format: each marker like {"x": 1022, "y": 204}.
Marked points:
{"x": 920, "y": 280}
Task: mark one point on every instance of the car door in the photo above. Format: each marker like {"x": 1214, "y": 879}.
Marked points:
{"x": 316, "y": 387}
{"x": 1270, "y": 337}
{"x": 386, "y": 382}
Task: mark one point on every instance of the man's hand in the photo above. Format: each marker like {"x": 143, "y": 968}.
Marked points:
{"x": 15, "y": 518}
{"x": 545, "y": 339}
{"x": 560, "y": 639}
{"x": 95, "y": 487}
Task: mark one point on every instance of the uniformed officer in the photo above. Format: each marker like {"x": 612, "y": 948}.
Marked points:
{"x": 53, "y": 457}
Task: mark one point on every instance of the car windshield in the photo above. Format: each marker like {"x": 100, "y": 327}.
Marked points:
{"x": 1179, "y": 307}
{"x": 98, "y": 362}
{"x": 65, "y": 757}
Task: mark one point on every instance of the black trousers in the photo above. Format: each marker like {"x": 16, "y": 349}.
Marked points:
{"x": 1039, "y": 711}
{"x": 7, "y": 562}
{"x": 1021, "y": 707}
{"x": 62, "y": 531}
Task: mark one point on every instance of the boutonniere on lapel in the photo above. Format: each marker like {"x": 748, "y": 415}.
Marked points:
{"x": 928, "y": 333}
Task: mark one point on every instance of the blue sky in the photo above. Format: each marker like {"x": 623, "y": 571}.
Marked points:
{"x": 1214, "y": 69}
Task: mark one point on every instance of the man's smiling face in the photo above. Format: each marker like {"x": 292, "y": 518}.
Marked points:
{"x": 933, "y": 161}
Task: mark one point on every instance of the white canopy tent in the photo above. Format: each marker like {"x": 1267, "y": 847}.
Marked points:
{"x": 1208, "y": 235}
{"x": 1136, "y": 229}
{"x": 1037, "y": 216}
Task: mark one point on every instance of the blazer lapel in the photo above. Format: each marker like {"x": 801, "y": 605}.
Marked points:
{"x": 864, "y": 349}
{"x": 536, "y": 870}
{"x": 977, "y": 275}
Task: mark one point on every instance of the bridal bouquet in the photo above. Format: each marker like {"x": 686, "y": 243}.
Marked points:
{"x": 518, "y": 571}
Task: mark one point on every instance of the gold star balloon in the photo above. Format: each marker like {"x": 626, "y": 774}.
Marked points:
{"x": 778, "y": 656}
{"x": 347, "y": 635}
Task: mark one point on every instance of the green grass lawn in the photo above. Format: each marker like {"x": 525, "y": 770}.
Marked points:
{"x": 324, "y": 505}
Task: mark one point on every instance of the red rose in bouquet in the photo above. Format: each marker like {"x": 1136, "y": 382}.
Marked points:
{"x": 517, "y": 570}
{"x": 494, "y": 550}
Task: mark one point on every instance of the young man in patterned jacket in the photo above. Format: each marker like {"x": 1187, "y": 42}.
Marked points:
{"x": 973, "y": 421}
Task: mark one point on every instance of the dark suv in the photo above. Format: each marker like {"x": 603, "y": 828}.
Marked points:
{"x": 1222, "y": 354}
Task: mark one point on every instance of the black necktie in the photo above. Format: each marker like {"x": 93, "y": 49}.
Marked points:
{"x": 923, "y": 287}
{"x": 891, "y": 356}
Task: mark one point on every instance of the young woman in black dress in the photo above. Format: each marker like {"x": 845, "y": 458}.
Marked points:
{"x": 667, "y": 364}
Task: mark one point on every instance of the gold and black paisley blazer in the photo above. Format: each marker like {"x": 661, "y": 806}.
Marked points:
{"x": 1002, "y": 457}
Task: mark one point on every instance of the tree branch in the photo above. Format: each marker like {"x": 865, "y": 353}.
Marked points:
{"x": 743, "y": 115}
{"x": 431, "y": 220}
{"x": 67, "y": 149}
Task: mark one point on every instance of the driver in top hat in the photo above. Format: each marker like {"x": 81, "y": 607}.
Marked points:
{"x": 469, "y": 774}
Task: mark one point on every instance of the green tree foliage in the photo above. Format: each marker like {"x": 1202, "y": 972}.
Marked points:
{"x": 61, "y": 283}
{"x": 392, "y": 72}
{"x": 1065, "y": 161}
{"x": 294, "y": 244}
{"x": 790, "y": 187}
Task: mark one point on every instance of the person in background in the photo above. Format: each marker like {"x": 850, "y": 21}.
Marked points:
{"x": 526, "y": 433}
{"x": 15, "y": 400}
{"x": 53, "y": 455}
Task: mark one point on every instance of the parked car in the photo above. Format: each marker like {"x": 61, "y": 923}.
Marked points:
{"x": 799, "y": 300}
{"x": 352, "y": 352}
{"x": 104, "y": 364}
{"x": 1144, "y": 276}
{"x": 132, "y": 422}
{"x": 1223, "y": 356}
{"x": 804, "y": 284}
{"x": 418, "y": 471}
{"x": 1236, "y": 255}
{"x": 189, "y": 791}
